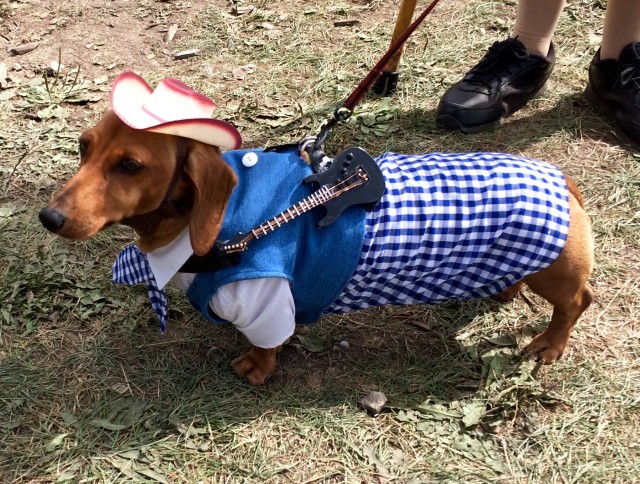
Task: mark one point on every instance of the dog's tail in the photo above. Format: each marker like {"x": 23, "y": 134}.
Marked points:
{"x": 574, "y": 190}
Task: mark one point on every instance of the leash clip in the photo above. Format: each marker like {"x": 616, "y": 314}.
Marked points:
{"x": 312, "y": 152}
{"x": 311, "y": 148}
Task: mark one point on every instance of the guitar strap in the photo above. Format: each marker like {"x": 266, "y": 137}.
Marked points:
{"x": 212, "y": 261}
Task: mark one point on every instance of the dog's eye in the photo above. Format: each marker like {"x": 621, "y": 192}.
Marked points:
{"x": 130, "y": 166}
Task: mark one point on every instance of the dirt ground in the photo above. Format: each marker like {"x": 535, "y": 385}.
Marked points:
{"x": 100, "y": 38}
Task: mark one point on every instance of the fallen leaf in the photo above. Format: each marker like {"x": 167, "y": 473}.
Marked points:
{"x": 311, "y": 342}
{"x": 242, "y": 71}
{"x": 8, "y": 94}
{"x": 186, "y": 54}
{"x": 120, "y": 388}
{"x": 7, "y": 210}
{"x": 25, "y": 48}
{"x": 55, "y": 442}
{"x": 3, "y": 76}
{"x": 374, "y": 402}
{"x": 49, "y": 112}
{"x": 156, "y": 476}
{"x": 168, "y": 37}
{"x": 68, "y": 418}
{"x": 242, "y": 9}
{"x": 472, "y": 413}
{"x": 238, "y": 73}
{"x": 346, "y": 22}
{"x": 501, "y": 340}
{"x": 105, "y": 424}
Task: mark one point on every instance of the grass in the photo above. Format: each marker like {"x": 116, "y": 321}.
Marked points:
{"x": 90, "y": 391}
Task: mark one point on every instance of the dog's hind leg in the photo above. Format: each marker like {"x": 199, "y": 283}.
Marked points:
{"x": 550, "y": 345}
{"x": 510, "y": 292}
{"x": 564, "y": 285}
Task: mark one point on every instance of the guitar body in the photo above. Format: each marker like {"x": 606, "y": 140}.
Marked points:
{"x": 350, "y": 164}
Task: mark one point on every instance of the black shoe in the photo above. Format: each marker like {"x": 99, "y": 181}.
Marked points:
{"x": 615, "y": 86}
{"x": 504, "y": 80}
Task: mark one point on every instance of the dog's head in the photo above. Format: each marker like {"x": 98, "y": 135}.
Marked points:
{"x": 157, "y": 183}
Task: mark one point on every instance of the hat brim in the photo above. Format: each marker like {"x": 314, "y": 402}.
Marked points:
{"x": 130, "y": 93}
{"x": 209, "y": 131}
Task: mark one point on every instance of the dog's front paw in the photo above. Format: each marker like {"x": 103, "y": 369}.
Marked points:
{"x": 546, "y": 349}
{"x": 256, "y": 365}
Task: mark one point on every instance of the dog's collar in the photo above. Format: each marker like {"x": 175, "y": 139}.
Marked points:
{"x": 212, "y": 261}
{"x": 177, "y": 256}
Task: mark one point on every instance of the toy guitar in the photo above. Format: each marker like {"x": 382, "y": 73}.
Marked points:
{"x": 353, "y": 178}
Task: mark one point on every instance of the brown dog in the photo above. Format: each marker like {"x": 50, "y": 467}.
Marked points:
{"x": 152, "y": 163}
{"x": 161, "y": 184}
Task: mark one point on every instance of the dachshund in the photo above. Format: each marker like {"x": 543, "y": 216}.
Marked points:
{"x": 171, "y": 188}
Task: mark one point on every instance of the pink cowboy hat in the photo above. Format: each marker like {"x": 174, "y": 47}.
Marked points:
{"x": 173, "y": 108}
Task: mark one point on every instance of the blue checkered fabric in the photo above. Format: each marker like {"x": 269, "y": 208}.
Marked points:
{"x": 457, "y": 226}
{"x": 131, "y": 267}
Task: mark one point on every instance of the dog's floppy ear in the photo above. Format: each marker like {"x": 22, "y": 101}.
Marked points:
{"x": 213, "y": 181}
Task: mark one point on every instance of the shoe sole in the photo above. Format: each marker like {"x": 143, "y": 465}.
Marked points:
{"x": 451, "y": 122}
{"x": 602, "y": 107}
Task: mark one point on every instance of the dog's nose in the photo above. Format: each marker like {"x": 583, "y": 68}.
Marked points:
{"x": 51, "y": 219}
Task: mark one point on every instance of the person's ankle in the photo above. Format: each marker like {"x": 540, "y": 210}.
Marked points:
{"x": 536, "y": 47}
{"x": 608, "y": 51}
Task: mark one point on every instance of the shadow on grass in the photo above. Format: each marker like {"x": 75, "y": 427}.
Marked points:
{"x": 79, "y": 385}
{"x": 417, "y": 131}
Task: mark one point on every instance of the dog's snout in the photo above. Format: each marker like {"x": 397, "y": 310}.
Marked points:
{"x": 51, "y": 219}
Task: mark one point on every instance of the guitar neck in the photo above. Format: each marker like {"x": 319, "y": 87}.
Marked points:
{"x": 323, "y": 195}
{"x": 314, "y": 200}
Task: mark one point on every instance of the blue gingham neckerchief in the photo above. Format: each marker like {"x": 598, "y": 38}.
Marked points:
{"x": 132, "y": 267}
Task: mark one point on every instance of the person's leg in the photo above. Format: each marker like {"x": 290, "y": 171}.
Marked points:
{"x": 614, "y": 73}
{"x": 536, "y": 21}
{"x": 621, "y": 27}
{"x": 510, "y": 74}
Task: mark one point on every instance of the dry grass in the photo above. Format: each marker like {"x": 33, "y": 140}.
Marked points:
{"x": 90, "y": 391}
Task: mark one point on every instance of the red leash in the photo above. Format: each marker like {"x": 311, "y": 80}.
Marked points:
{"x": 313, "y": 146}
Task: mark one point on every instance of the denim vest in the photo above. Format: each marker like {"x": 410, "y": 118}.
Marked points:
{"x": 295, "y": 251}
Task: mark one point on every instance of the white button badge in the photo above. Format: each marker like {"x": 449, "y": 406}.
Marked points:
{"x": 249, "y": 159}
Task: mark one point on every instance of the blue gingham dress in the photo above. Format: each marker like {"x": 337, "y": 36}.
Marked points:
{"x": 457, "y": 226}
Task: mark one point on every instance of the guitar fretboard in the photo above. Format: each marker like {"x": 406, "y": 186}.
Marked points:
{"x": 317, "y": 198}
{"x": 314, "y": 200}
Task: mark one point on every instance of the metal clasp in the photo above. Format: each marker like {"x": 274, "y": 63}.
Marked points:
{"x": 311, "y": 148}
